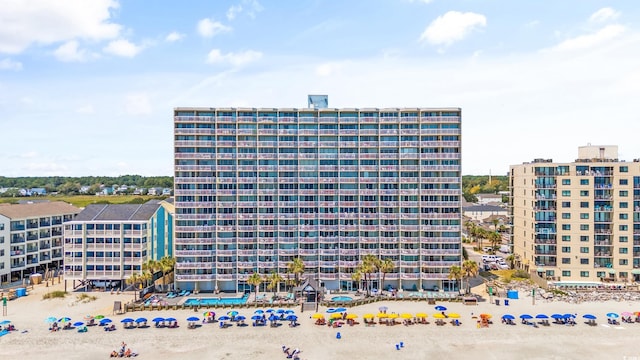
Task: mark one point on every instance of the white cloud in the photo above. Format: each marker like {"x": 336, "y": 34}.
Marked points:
{"x": 8, "y": 64}
{"x": 208, "y": 28}
{"x": 174, "y": 36}
{"x": 233, "y": 11}
{"x": 452, "y": 26}
{"x": 25, "y": 23}
{"x": 532, "y": 24}
{"x": 86, "y": 109}
{"x": 122, "y": 48}
{"x": 420, "y": 1}
{"x": 254, "y": 7}
{"x": 69, "y": 52}
{"x": 236, "y": 59}
{"x": 604, "y": 14}
{"x": 602, "y": 36}
{"x": 327, "y": 69}
{"x": 29, "y": 154}
{"x": 137, "y": 104}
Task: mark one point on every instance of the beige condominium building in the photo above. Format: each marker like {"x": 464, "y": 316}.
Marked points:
{"x": 578, "y": 221}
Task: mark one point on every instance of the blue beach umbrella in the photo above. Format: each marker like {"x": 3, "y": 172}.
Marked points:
{"x": 170, "y": 319}
{"x": 613, "y": 315}
{"x": 5, "y": 322}
{"x": 289, "y": 312}
{"x": 259, "y": 311}
{"x": 50, "y": 319}
{"x": 270, "y": 310}
{"x": 224, "y": 318}
{"x": 158, "y": 319}
{"x": 508, "y": 317}
{"x": 589, "y": 317}
{"x": 127, "y": 320}
{"x": 240, "y": 318}
{"x": 105, "y": 321}
{"x": 280, "y": 311}
{"x": 568, "y": 316}
{"x": 441, "y": 308}
{"x": 291, "y": 318}
{"x": 232, "y": 313}
{"x": 193, "y": 318}
{"x": 64, "y": 319}
{"x": 331, "y": 310}
{"x": 542, "y": 316}
{"x": 141, "y": 320}
{"x": 256, "y": 317}
{"x": 526, "y": 316}
{"x": 77, "y": 323}
{"x": 557, "y": 316}
{"x": 273, "y": 318}
{"x": 341, "y": 309}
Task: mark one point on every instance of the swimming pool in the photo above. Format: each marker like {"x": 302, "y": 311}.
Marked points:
{"x": 341, "y": 299}
{"x": 217, "y": 301}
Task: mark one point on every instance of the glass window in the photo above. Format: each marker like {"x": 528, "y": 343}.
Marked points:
{"x": 623, "y": 239}
{"x": 584, "y": 250}
{"x": 623, "y": 216}
{"x": 566, "y": 181}
{"x": 623, "y": 193}
{"x": 584, "y": 215}
{"x": 566, "y": 192}
{"x": 584, "y": 204}
{"x": 566, "y": 204}
{"x": 566, "y": 260}
{"x": 566, "y": 215}
{"x": 566, "y": 273}
{"x": 624, "y": 205}
{"x": 623, "y": 227}
{"x": 624, "y": 169}
{"x": 566, "y": 249}
{"x": 624, "y": 182}
{"x": 623, "y": 250}
{"x": 584, "y": 274}
{"x": 584, "y": 181}
{"x": 566, "y": 226}
{"x": 584, "y": 261}
{"x": 623, "y": 262}
{"x": 584, "y": 192}
{"x": 584, "y": 226}
{"x": 566, "y": 237}
{"x": 584, "y": 238}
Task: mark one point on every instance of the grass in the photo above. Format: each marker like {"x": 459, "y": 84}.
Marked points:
{"x": 84, "y": 200}
{"x": 59, "y": 294}
{"x": 85, "y": 298}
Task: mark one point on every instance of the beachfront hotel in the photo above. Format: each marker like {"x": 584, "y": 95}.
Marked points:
{"x": 107, "y": 243}
{"x": 256, "y": 188}
{"x": 31, "y": 238}
{"x": 578, "y": 221}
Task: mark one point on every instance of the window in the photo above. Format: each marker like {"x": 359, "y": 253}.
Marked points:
{"x": 624, "y": 182}
{"x": 584, "y": 250}
{"x": 566, "y": 273}
{"x": 584, "y": 181}
{"x": 624, "y": 205}
{"x": 566, "y": 260}
{"x": 584, "y": 216}
{"x": 624, "y": 169}
{"x": 584, "y": 261}
{"x": 623, "y": 227}
{"x": 623, "y": 193}
{"x": 623, "y": 262}
{"x": 566, "y": 249}
{"x": 566, "y": 192}
{"x": 566, "y": 215}
{"x": 566, "y": 226}
{"x": 584, "y": 238}
{"x": 566, "y": 181}
{"x": 1, "y": 227}
{"x": 584, "y": 226}
{"x": 584, "y": 192}
{"x": 623, "y": 239}
{"x": 566, "y": 237}
{"x": 623, "y": 250}
{"x": 566, "y": 204}
{"x": 584, "y": 274}
{"x": 623, "y": 216}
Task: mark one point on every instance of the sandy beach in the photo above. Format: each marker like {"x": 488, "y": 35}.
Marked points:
{"x": 319, "y": 342}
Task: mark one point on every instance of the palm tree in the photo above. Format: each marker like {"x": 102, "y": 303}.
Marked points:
{"x": 494, "y": 238}
{"x": 469, "y": 270}
{"x": 480, "y": 234}
{"x": 274, "y": 280}
{"x": 455, "y": 273}
{"x": 385, "y": 266}
{"x": 255, "y": 280}
{"x": 357, "y": 277}
{"x": 368, "y": 266}
{"x": 495, "y": 223}
{"x": 133, "y": 280}
{"x": 470, "y": 226}
{"x": 296, "y": 267}
{"x": 511, "y": 259}
{"x": 167, "y": 265}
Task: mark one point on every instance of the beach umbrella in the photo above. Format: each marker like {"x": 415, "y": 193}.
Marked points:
{"x": 98, "y": 317}
{"x": 158, "y": 319}
{"x": 273, "y": 318}
{"x": 317, "y": 316}
{"x": 232, "y": 313}
{"x": 269, "y": 311}
{"x": 6, "y": 322}
{"x": 289, "y": 312}
{"x": 280, "y": 311}
{"x": 626, "y": 314}
{"x": 441, "y": 308}
{"x": 88, "y": 318}
{"x": 637, "y": 313}
{"x": 613, "y": 315}
{"x": 240, "y": 318}
{"x": 393, "y": 316}
{"x": 331, "y": 310}
{"x": 526, "y": 317}
{"x": 170, "y": 319}
{"x": 422, "y": 315}
{"x": 256, "y": 317}
{"x": 77, "y": 323}
{"x": 141, "y": 320}
{"x": 66, "y": 319}
{"x": 541, "y": 316}
{"x": 50, "y": 319}
{"x": 259, "y": 311}
{"x": 193, "y": 318}
{"x": 291, "y": 318}
{"x": 405, "y": 316}
{"x": 568, "y": 316}
{"x": 508, "y": 317}
{"x": 127, "y": 320}
{"x": 454, "y": 315}
{"x": 224, "y": 318}
{"x": 368, "y": 316}
{"x": 352, "y": 316}
{"x": 486, "y": 316}
{"x": 382, "y": 315}
{"x": 341, "y": 309}
{"x": 589, "y": 317}
{"x": 105, "y": 322}
{"x": 438, "y": 316}
{"x": 209, "y": 314}
{"x": 557, "y": 316}
{"x": 335, "y": 316}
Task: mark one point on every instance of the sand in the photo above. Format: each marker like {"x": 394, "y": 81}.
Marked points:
{"x": 319, "y": 342}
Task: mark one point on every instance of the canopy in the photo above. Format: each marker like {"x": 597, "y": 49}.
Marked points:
{"x": 438, "y": 316}
{"x": 635, "y": 271}
{"x": 454, "y": 315}
{"x": 406, "y": 316}
{"x": 508, "y": 317}
{"x": 256, "y": 317}
{"x": 422, "y": 315}
{"x": 259, "y": 311}
{"x": 335, "y": 316}
{"x": 170, "y": 319}
{"x": 211, "y": 313}
{"x": 613, "y": 315}
{"x": 141, "y": 320}
{"x": 557, "y": 316}
{"x": 50, "y": 319}
{"x": 486, "y": 316}
{"x": 289, "y": 312}
{"x": 626, "y": 313}
{"x": 393, "y": 316}
{"x": 238, "y": 318}
{"x": 105, "y": 321}
{"x": 526, "y": 316}
{"x": 6, "y": 322}
{"x": 352, "y": 316}
{"x": 291, "y": 318}
{"x": 383, "y": 315}
{"x": 280, "y": 311}
{"x": 193, "y": 318}
{"x": 232, "y": 313}
{"x": 612, "y": 271}
{"x": 64, "y": 319}
{"x": 77, "y": 323}
{"x": 589, "y": 316}
{"x": 88, "y": 318}
{"x": 224, "y": 318}
{"x": 367, "y": 316}
{"x": 158, "y": 319}
{"x": 127, "y": 320}
{"x": 317, "y": 316}
{"x": 542, "y": 316}
{"x": 98, "y": 317}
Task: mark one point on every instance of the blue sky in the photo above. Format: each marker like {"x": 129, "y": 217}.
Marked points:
{"x": 88, "y": 87}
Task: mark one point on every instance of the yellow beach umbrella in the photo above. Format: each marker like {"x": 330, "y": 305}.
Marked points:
{"x": 317, "y": 316}
{"x": 393, "y": 316}
{"x": 383, "y": 315}
{"x": 336, "y": 316}
{"x": 352, "y": 316}
{"x": 454, "y": 315}
{"x": 406, "y": 316}
{"x": 422, "y": 315}
{"x": 438, "y": 316}
{"x": 368, "y": 316}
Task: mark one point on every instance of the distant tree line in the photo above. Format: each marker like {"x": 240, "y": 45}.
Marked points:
{"x": 479, "y": 184}
{"x": 71, "y": 185}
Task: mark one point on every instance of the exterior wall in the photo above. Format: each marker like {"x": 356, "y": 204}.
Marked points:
{"x": 482, "y": 215}
{"x": 577, "y": 221}
{"x": 5, "y": 250}
{"x": 255, "y": 188}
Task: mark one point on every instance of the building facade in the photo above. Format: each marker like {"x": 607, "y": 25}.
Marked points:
{"x": 105, "y": 244}
{"x": 31, "y": 238}
{"x": 578, "y": 221}
{"x": 256, "y": 188}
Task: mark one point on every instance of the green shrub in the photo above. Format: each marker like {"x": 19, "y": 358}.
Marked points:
{"x": 520, "y": 274}
{"x": 85, "y": 298}
{"x": 59, "y": 294}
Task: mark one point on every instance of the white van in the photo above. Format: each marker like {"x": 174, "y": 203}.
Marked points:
{"x": 490, "y": 258}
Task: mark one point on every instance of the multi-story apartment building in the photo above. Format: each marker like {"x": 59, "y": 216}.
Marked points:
{"x": 31, "y": 237}
{"x": 256, "y": 188}
{"x": 108, "y": 243}
{"x": 578, "y": 221}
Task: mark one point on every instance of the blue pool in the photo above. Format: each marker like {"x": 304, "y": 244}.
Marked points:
{"x": 217, "y": 301}
{"x": 341, "y": 298}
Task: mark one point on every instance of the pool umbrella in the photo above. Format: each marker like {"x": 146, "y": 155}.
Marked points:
{"x": 403, "y": 315}
{"x": 441, "y": 308}
{"x": 352, "y": 316}
{"x": 76, "y": 324}
{"x": 66, "y": 319}
{"x": 589, "y": 317}
{"x": 422, "y": 315}
{"x": 170, "y": 319}
{"x": 368, "y": 316}
{"x": 158, "y": 319}
{"x": 541, "y": 316}
{"x": 50, "y": 319}
{"x": 98, "y": 317}
{"x": 224, "y": 318}
{"x": 557, "y": 316}
{"x": 141, "y": 320}
{"x": 240, "y": 318}
{"x": 256, "y": 317}
{"x": 127, "y": 320}
{"x": 193, "y": 318}
{"x": 317, "y": 316}
{"x": 383, "y": 308}
{"x": 259, "y": 311}
{"x": 438, "y": 316}
{"x": 526, "y": 317}
{"x": 291, "y": 318}
{"x": 454, "y": 315}
{"x": 508, "y": 317}
{"x": 331, "y": 310}
{"x": 613, "y": 315}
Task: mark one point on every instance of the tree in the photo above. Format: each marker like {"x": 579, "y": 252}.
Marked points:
{"x": 495, "y": 223}
{"x": 479, "y": 234}
{"x": 494, "y": 238}
{"x": 470, "y": 226}
{"x": 368, "y": 266}
{"x": 469, "y": 270}
{"x": 167, "y": 265}
{"x": 455, "y": 273}
{"x": 133, "y": 280}
{"x": 255, "y": 280}
{"x": 296, "y": 267}
{"x": 385, "y": 266}
{"x": 357, "y": 277}
{"x": 511, "y": 259}
{"x": 274, "y": 280}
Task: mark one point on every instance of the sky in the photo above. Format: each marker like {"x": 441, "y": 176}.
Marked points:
{"x": 89, "y": 87}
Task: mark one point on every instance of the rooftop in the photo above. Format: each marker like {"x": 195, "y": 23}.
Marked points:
{"x": 37, "y": 209}
{"x": 118, "y": 212}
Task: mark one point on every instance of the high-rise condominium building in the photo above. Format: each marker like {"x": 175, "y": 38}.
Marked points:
{"x": 256, "y": 188}
{"x": 578, "y": 221}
